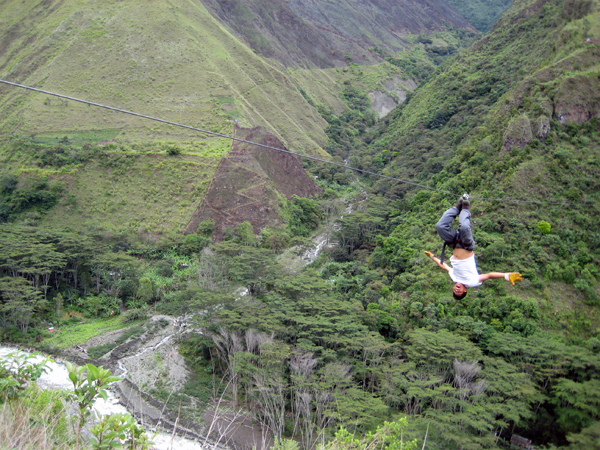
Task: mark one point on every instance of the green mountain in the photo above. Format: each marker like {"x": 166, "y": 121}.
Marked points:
{"x": 185, "y": 63}
{"x": 513, "y": 121}
{"x": 169, "y": 60}
{"x": 500, "y": 108}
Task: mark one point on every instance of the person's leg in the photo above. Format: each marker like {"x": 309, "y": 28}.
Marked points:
{"x": 444, "y": 225}
{"x": 464, "y": 228}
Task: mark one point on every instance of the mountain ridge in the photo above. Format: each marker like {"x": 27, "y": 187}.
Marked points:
{"x": 325, "y": 34}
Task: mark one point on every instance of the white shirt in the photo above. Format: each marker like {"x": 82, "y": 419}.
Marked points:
{"x": 464, "y": 271}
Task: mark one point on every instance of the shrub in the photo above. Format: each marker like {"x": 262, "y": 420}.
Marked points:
{"x": 119, "y": 431}
{"x": 329, "y": 193}
{"x": 544, "y": 227}
{"x": 206, "y": 228}
{"x": 194, "y": 244}
{"x": 145, "y": 291}
{"x": 173, "y": 151}
{"x": 569, "y": 275}
{"x": 305, "y": 215}
{"x": 100, "y": 350}
{"x": 164, "y": 269}
{"x": 8, "y": 183}
{"x": 591, "y": 296}
{"x": 17, "y": 371}
{"x": 135, "y": 314}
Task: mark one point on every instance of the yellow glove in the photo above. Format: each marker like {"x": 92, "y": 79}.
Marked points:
{"x": 514, "y": 276}
{"x": 429, "y": 254}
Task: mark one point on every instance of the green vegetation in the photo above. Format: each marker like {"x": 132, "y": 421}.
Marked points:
{"x": 141, "y": 65}
{"x": 305, "y": 216}
{"x": 17, "y": 371}
{"x": 429, "y": 51}
{"x": 32, "y": 194}
{"x": 101, "y": 160}
{"x": 482, "y": 14}
{"x": 75, "y": 138}
{"x": 39, "y": 419}
{"x": 368, "y": 338}
{"x": 89, "y": 382}
{"x": 479, "y": 126}
{"x": 128, "y": 333}
{"x": 105, "y": 186}
{"x": 69, "y": 336}
{"x": 28, "y": 415}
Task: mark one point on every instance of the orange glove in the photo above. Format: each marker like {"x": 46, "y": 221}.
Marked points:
{"x": 429, "y": 254}
{"x": 514, "y": 276}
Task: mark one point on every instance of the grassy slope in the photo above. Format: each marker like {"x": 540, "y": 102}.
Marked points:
{"x": 122, "y": 198}
{"x": 170, "y": 60}
{"x": 467, "y": 93}
{"x": 149, "y": 191}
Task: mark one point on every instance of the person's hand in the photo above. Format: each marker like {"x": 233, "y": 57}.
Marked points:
{"x": 514, "y": 276}
{"x": 429, "y": 254}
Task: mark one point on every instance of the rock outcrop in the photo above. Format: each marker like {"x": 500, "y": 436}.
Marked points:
{"x": 384, "y": 102}
{"x": 518, "y": 133}
{"x": 577, "y": 99}
{"x": 541, "y": 128}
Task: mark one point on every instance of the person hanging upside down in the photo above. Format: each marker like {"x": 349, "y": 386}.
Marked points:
{"x": 464, "y": 271}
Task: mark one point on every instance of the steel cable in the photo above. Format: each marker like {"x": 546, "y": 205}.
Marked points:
{"x": 301, "y": 155}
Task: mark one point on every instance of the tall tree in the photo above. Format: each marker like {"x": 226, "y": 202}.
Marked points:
{"x": 112, "y": 269}
{"x": 20, "y": 300}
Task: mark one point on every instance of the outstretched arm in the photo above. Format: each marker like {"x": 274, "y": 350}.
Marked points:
{"x": 512, "y": 277}
{"x": 437, "y": 261}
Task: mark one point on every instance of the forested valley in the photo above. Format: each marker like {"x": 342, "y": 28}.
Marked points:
{"x": 366, "y": 345}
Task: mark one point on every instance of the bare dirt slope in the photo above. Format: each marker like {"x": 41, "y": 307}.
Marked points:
{"x": 247, "y": 182}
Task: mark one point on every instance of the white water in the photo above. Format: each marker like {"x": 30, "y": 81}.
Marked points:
{"x": 311, "y": 254}
{"x": 57, "y": 377}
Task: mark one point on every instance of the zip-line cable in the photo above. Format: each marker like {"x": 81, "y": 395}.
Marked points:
{"x": 223, "y": 136}
{"x": 301, "y": 155}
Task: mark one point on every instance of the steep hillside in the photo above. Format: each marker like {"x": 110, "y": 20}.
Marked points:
{"x": 514, "y": 121}
{"x": 535, "y": 73}
{"x": 369, "y": 332}
{"x": 176, "y": 61}
{"x": 303, "y": 33}
{"x": 171, "y": 60}
{"x": 248, "y": 184}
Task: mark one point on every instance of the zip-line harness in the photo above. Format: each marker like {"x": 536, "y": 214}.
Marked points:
{"x": 456, "y": 240}
{"x": 452, "y": 244}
